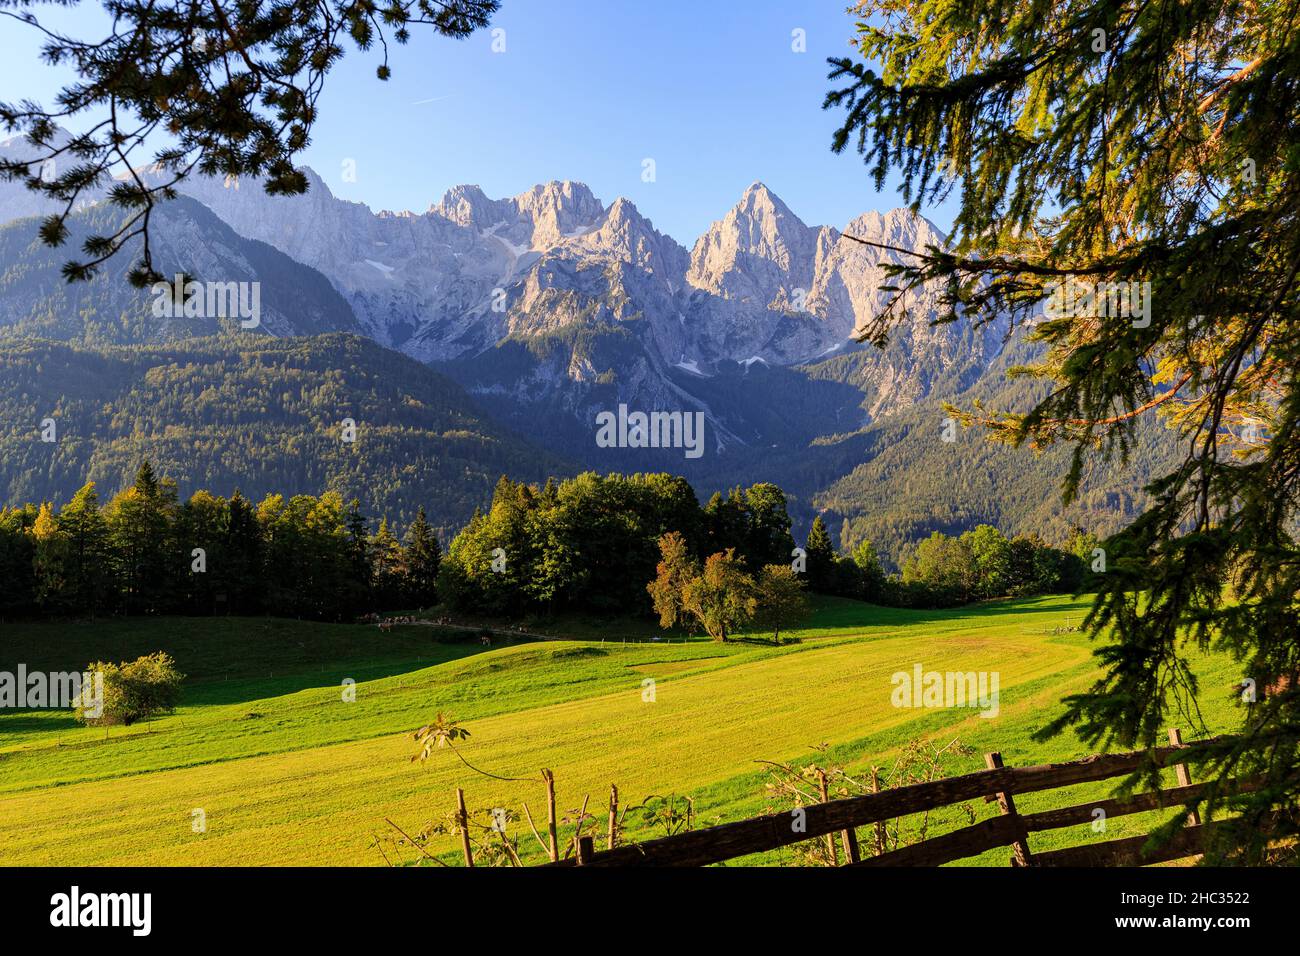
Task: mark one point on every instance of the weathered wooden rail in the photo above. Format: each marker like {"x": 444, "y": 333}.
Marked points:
{"x": 1010, "y": 829}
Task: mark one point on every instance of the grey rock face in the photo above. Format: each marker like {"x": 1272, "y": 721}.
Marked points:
{"x": 622, "y": 308}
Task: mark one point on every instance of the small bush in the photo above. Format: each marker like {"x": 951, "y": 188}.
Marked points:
{"x": 143, "y": 688}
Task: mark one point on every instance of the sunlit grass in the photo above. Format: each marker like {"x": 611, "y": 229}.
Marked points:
{"x": 288, "y": 772}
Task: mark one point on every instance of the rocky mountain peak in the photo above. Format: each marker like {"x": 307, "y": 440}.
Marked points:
{"x": 763, "y": 222}
{"x": 897, "y": 227}
{"x": 469, "y": 206}
{"x": 623, "y": 209}
{"x": 759, "y": 244}
{"x": 758, "y": 200}
{"x": 624, "y": 235}
{"x": 557, "y": 210}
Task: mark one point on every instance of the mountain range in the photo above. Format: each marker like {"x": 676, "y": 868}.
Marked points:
{"x": 550, "y": 308}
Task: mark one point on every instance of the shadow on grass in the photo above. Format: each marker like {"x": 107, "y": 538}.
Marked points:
{"x": 765, "y": 641}
{"x": 242, "y": 688}
{"x": 38, "y": 721}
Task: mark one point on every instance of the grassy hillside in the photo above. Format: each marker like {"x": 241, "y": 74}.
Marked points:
{"x": 288, "y": 772}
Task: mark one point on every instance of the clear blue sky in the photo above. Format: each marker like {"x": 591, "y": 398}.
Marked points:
{"x": 586, "y": 89}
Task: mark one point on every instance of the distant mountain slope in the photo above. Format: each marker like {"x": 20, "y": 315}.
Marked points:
{"x": 254, "y": 413}
{"x": 551, "y": 309}
{"x": 552, "y": 303}
{"x": 900, "y": 481}
{"x": 35, "y": 299}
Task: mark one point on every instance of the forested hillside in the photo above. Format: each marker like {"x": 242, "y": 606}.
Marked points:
{"x": 263, "y": 414}
{"x": 903, "y": 480}
{"x": 257, "y": 414}
{"x": 894, "y": 480}
{"x": 589, "y": 544}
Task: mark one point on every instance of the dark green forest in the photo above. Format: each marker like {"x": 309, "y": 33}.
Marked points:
{"x": 896, "y": 481}
{"x": 257, "y": 414}
{"x": 264, "y": 416}
{"x": 587, "y": 544}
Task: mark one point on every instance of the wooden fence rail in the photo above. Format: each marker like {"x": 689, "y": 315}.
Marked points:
{"x": 841, "y": 817}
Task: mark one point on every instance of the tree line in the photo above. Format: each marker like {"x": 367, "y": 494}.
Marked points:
{"x": 592, "y": 543}
{"x": 145, "y": 552}
{"x": 643, "y": 544}
{"x": 951, "y": 570}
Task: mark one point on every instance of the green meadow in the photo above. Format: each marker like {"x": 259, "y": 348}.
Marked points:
{"x": 287, "y": 771}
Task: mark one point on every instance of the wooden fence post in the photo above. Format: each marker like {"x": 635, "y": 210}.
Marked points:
{"x": 1021, "y": 855}
{"x": 1184, "y": 775}
{"x": 462, "y": 820}
{"x": 613, "y": 815}
{"x": 826, "y": 798}
{"x": 586, "y": 850}
{"x": 880, "y": 824}
{"x": 848, "y": 836}
{"x": 549, "y": 777}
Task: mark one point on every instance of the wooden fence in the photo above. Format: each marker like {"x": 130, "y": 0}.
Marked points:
{"x": 997, "y": 783}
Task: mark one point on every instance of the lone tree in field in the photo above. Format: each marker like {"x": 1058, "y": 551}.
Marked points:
{"x": 1095, "y": 148}
{"x": 229, "y": 87}
{"x": 675, "y": 570}
{"x": 724, "y": 597}
{"x": 781, "y": 599}
{"x": 721, "y": 597}
{"x": 128, "y": 692}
